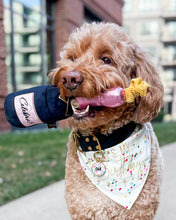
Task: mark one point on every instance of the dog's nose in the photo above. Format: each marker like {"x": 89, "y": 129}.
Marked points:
{"x": 72, "y": 79}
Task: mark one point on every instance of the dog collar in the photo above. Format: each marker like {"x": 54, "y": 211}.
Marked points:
{"x": 100, "y": 141}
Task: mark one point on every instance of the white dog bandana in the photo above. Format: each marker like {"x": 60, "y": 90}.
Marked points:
{"x": 124, "y": 170}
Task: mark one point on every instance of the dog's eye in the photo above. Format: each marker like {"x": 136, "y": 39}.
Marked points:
{"x": 71, "y": 58}
{"x": 106, "y": 60}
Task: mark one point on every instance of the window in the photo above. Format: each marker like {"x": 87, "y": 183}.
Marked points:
{"x": 128, "y": 4}
{"x": 29, "y": 28}
{"x": 89, "y": 16}
{"x": 171, "y": 52}
{"x": 171, "y": 28}
{"x": 148, "y": 5}
{"x": 148, "y": 28}
{"x": 170, "y": 74}
{"x": 172, "y": 5}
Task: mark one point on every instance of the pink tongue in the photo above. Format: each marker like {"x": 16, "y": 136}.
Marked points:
{"x": 111, "y": 98}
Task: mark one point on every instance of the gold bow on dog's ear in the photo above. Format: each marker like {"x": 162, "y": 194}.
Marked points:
{"x": 137, "y": 88}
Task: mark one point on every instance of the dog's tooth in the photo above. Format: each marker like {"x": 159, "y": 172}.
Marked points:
{"x": 87, "y": 109}
{"x": 73, "y": 108}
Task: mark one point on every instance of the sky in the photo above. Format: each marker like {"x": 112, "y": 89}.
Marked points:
{"x": 30, "y": 3}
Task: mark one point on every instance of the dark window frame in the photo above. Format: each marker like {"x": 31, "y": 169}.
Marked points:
{"x": 46, "y": 25}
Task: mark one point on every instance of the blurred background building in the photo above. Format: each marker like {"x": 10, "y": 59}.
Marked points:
{"x": 152, "y": 24}
{"x": 35, "y": 31}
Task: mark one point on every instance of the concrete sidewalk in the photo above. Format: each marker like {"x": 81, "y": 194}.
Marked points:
{"x": 167, "y": 208}
{"x": 49, "y": 204}
{"x": 45, "y": 204}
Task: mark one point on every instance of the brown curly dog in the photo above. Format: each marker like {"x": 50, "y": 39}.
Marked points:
{"x": 98, "y": 57}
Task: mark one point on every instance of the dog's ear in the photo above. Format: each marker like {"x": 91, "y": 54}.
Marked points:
{"x": 149, "y": 106}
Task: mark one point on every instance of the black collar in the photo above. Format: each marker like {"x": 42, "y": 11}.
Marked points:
{"x": 92, "y": 142}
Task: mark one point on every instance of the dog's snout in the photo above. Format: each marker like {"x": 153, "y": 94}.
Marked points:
{"x": 72, "y": 79}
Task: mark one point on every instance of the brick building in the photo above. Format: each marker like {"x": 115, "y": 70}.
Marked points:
{"x": 64, "y": 16}
{"x": 3, "y": 77}
{"x": 70, "y": 16}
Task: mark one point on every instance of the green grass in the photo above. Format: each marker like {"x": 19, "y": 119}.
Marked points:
{"x": 29, "y": 161}
{"x": 165, "y": 132}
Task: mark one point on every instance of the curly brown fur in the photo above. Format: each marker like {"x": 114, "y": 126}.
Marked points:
{"x": 84, "y": 52}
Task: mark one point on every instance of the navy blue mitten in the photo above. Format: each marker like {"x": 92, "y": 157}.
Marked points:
{"x": 36, "y": 105}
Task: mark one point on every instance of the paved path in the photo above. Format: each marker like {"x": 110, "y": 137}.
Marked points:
{"x": 45, "y": 204}
{"x": 49, "y": 204}
{"x": 167, "y": 208}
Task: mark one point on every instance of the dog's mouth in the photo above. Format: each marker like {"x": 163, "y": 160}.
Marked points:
{"x": 89, "y": 111}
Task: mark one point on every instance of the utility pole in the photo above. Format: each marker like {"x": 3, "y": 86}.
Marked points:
{"x": 13, "y": 70}
{"x": 43, "y": 41}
